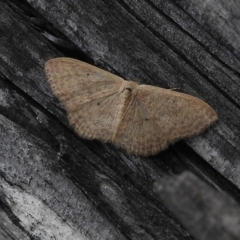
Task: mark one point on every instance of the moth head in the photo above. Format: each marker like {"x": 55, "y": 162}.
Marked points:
{"x": 130, "y": 88}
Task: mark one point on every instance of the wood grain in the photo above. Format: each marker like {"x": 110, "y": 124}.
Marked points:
{"x": 98, "y": 190}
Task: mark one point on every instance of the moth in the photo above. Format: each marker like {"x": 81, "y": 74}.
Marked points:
{"x": 141, "y": 119}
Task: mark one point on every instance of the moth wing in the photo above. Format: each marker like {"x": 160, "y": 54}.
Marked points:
{"x": 137, "y": 131}
{"x": 90, "y": 96}
{"x": 158, "y": 117}
{"x": 76, "y": 81}
{"x": 96, "y": 119}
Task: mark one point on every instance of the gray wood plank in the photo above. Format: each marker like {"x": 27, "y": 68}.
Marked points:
{"x": 89, "y": 188}
{"x": 140, "y": 41}
{"x": 205, "y": 212}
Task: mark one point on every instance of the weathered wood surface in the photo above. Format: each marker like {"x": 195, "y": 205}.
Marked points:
{"x": 55, "y": 184}
{"x": 209, "y": 214}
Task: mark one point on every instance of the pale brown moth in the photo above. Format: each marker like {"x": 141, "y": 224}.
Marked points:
{"x": 142, "y": 119}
